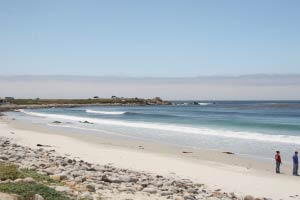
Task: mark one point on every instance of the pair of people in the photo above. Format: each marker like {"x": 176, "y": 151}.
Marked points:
{"x": 295, "y": 163}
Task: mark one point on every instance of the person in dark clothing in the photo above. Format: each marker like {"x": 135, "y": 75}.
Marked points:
{"x": 295, "y": 164}
{"x": 278, "y": 161}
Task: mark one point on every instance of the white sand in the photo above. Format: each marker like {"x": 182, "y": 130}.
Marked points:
{"x": 214, "y": 174}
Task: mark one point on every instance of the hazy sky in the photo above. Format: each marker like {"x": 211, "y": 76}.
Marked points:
{"x": 166, "y": 38}
{"x": 254, "y": 87}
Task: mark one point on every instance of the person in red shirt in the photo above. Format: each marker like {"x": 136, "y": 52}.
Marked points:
{"x": 278, "y": 161}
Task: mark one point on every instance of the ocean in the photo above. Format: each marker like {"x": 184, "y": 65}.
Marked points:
{"x": 254, "y": 129}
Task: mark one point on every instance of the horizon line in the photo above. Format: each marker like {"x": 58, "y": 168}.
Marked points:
{"x": 171, "y": 77}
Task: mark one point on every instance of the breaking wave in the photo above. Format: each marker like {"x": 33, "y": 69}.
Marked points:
{"x": 176, "y": 128}
{"x": 105, "y": 112}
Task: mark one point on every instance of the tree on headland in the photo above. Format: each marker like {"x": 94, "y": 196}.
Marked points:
{"x": 9, "y": 98}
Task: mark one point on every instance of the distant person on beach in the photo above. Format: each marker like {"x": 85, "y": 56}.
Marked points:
{"x": 295, "y": 164}
{"x": 278, "y": 161}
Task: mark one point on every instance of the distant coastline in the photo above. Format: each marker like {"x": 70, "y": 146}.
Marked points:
{"x": 10, "y": 103}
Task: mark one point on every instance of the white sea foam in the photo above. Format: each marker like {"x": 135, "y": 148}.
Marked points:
{"x": 183, "y": 104}
{"x": 105, "y": 112}
{"x": 203, "y": 104}
{"x": 176, "y": 128}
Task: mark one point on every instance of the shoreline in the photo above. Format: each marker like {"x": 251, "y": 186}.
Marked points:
{"x": 145, "y": 145}
{"x": 211, "y": 168}
{"x": 7, "y": 108}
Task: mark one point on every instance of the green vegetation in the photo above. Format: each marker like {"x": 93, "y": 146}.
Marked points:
{"x": 28, "y": 190}
{"x": 24, "y": 189}
{"x": 38, "y": 101}
{"x": 94, "y": 100}
{"x": 9, "y": 171}
{"x": 36, "y": 176}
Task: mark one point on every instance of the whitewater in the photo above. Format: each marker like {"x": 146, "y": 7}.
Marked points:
{"x": 247, "y": 128}
{"x": 171, "y": 128}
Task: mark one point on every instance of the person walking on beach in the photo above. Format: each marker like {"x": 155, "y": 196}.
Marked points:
{"x": 278, "y": 161}
{"x": 295, "y": 164}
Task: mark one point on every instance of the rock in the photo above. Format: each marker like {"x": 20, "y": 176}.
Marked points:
{"x": 38, "y": 197}
{"x": 233, "y": 195}
{"x": 59, "y": 177}
{"x": 28, "y": 180}
{"x": 87, "y": 196}
{"x": 49, "y": 171}
{"x": 3, "y": 158}
{"x": 70, "y": 161}
{"x": 86, "y": 122}
{"x": 173, "y": 189}
{"x": 187, "y": 152}
{"x": 216, "y": 194}
{"x": 128, "y": 179}
{"x": 55, "y": 177}
{"x": 189, "y": 198}
{"x": 18, "y": 180}
{"x": 4, "y": 196}
{"x": 150, "y": 190}
{"x": 228, "y": 152}
{"x": 191, "y": 190}
{"x": 109, "y": 179}
{"x": 80, "y": 179}
{"x": 166, "y": 193}
{"x": 248, "y": 197}
{"x": 62, "y": 189}
{"x": 90, "y": 188}
{"x": 42, "y": 145}
{"x": 7, "y": 181}
{"x": 126, "y": 189}
{"x": 76, "y": 174}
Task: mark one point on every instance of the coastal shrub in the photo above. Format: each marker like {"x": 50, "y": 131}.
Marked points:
{"x": 28, "y": 190}
{"x": 12, "y": 172}
{"x": 9, "y": 171}
{"x": 36, "y": 176}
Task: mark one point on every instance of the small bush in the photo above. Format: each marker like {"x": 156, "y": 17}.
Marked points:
{"x": 28, "y": 190}
{"x": 9, "y": 171}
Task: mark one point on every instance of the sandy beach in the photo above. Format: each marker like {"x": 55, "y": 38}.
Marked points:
{"x": 230, "y": 173}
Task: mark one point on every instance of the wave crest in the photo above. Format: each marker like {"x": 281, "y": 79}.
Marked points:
{"x": 176, "y": 128}
{"x": 105, "y": 112}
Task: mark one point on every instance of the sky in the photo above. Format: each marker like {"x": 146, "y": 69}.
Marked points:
{"x": 154, "y": 38}
{"x": 247, "y": 87}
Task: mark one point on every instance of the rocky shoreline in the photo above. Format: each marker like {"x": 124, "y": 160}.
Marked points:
{"x": 12, "y": 107}
{"x": 82, "y": 180}
{"x": 10, "y": 104}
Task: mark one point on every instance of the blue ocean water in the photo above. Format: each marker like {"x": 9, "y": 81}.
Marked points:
{"x": 252, "y": 128}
